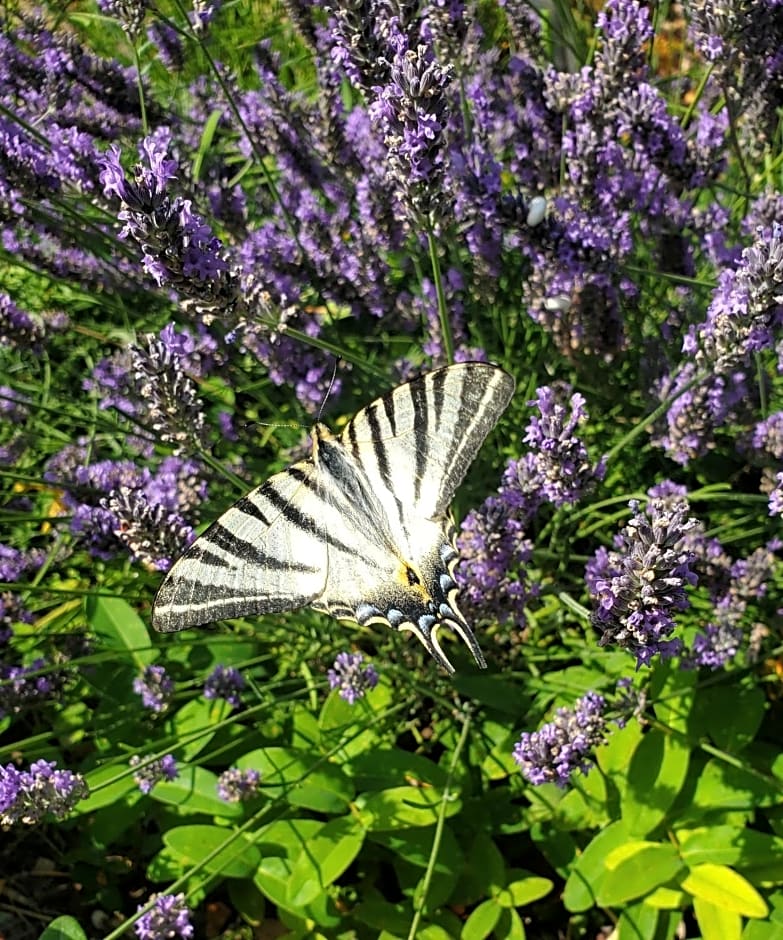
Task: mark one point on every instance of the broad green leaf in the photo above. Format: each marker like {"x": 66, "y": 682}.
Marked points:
{"x": 236, "y": 855}
{"x": 391, "y": 767}
{"x": 528, "y": 889}
{"x": 613, "y": 756}
{"x": 638, "y": 921}
{"x": 657, "y": 772}
{"x": 63, "y": 928}
{"x": 405, "y": 806}
{"x": 510, "y": 925}
{"x": 378, "y": 913}
{"x": 724, "y": 887}
{"x": 195, "y": 791}
{"x": 484, "y": 871}
{"x": 587, "y": 806}
{"x": 672, "y": 692}
{"x": 108, "y": 784}
{"x": 669, "y": 899}
{"x": 339, "y": 722}
{"x": 495, "y": 692}
{"x": 730, "y": 716}
{"x": 194, "y": 724}
{"x": 281, "y": 843}
{"x": 248, "y": 901}
{"x": 166, "y": 866}
{"x": 587, "y": 875}
{"x": 415, "y": 846}
{"x": 724, "y": 787}
{"x": 716, "y": 922}
{"x": 324, "y": 859}
{"x": 635, "y": 869}
{"x": 746, "y": 849}
{"x": 119, "y": 627}
{"x": 302, "y": 779}
{"x": 482, "y": 921}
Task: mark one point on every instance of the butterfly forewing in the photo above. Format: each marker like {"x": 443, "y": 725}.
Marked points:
{"x": 266, "y": 554}
{"x": 361, "y": 531}
{"x": 416, "y": 444}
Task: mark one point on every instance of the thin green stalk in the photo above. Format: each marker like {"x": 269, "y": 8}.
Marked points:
{"x": 425, "y": 885}
{"x": 443, "y": 314}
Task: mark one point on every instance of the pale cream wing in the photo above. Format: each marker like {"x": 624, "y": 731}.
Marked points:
{"x": 267, "y": 553}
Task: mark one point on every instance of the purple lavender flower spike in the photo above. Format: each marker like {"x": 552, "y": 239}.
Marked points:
{"x": 22, "y": 686}
{"x": 235, "y": 785}
{"x": 640, "y": 585}
{"x": 227, "y": 683}
{"x": 145, "y": 778}
{"x": 28, "y": 796}
{"x": 155, "y": 687}
{"x": 563, "y": 746}
{"x": 352, "y": 678}
{"x": 168, "y": 919}
{"x": 154, "y": 535}
{"x": 411, "y": 112}
{"x": 178, "y": 247}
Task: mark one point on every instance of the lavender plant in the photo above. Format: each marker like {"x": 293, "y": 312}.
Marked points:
{"x": 216, "y": 228}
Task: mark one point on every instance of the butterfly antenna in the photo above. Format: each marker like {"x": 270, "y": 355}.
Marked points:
{"x": 329, "y": 389}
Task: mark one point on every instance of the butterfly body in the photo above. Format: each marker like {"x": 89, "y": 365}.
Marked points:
{"x": 361, "y": 530}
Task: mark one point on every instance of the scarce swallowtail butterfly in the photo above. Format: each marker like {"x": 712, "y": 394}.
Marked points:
{"x": 362, "y": 529}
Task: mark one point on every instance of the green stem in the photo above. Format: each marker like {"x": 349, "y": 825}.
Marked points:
{"x": 443, "y": 314}
{"x": 425, "y": 884}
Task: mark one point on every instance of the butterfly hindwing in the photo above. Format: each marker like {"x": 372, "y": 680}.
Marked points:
{"x": 264, "y": 555}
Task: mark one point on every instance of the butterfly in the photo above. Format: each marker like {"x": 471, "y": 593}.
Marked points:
{"x": 362, "y": 529}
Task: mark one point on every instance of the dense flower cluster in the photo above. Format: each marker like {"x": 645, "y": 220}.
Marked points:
{"x": 494, "y": 543}
{"x": 151, "y": 772}
{"x": 235, "y": 785}
{"x": 167, "y": 919}
{"x": 639, "y": 585}
{"x": 27, "y": 796}
{"x": 225, "y": 682}
{"x": 712, "y": 386}
{"x": 563, "y": 746}
{"x": 23, "y": 686}
{"x": 155, "y": 687}
{"x": 351, "y": 677}
{"x": 178, "y": 246}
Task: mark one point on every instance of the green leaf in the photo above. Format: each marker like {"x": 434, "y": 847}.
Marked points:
{"x": 324, "y": 859}
{"x": 415, "y": 847}
{"x": 198, "y": 718}
{"x": 236, "y": 855}
{"x": 302, "y": 779}
{"x": 510, "y": 925}
{"x": 108, "y": 784}
{"x": 746, "y": 849}
{"x": 119, "y": 627}
{"x": 726, "y": 888}
{"x": 657, "y": 772}
{"x": 485, "y": 868}
{"x": 635, "y": 869}
{"x": 716, "y": 922}
{"x": 729, "y": 716}
{"x": 495, "y": 692}
{"x": 589, "y": 871}
{"x": 195, "y": 791}
{"x": 393, "y": 767}
{"x": 248, "y": 901}
{"x": 281, "y": 843}
{"x": 638, "y": 922}
{"x": 482, "y": 921}
{"x": 724, "y": 787}
{"x": 63, "y": 928}
{"x": 405, "y": 806}
{"x": 528, "y": 889}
